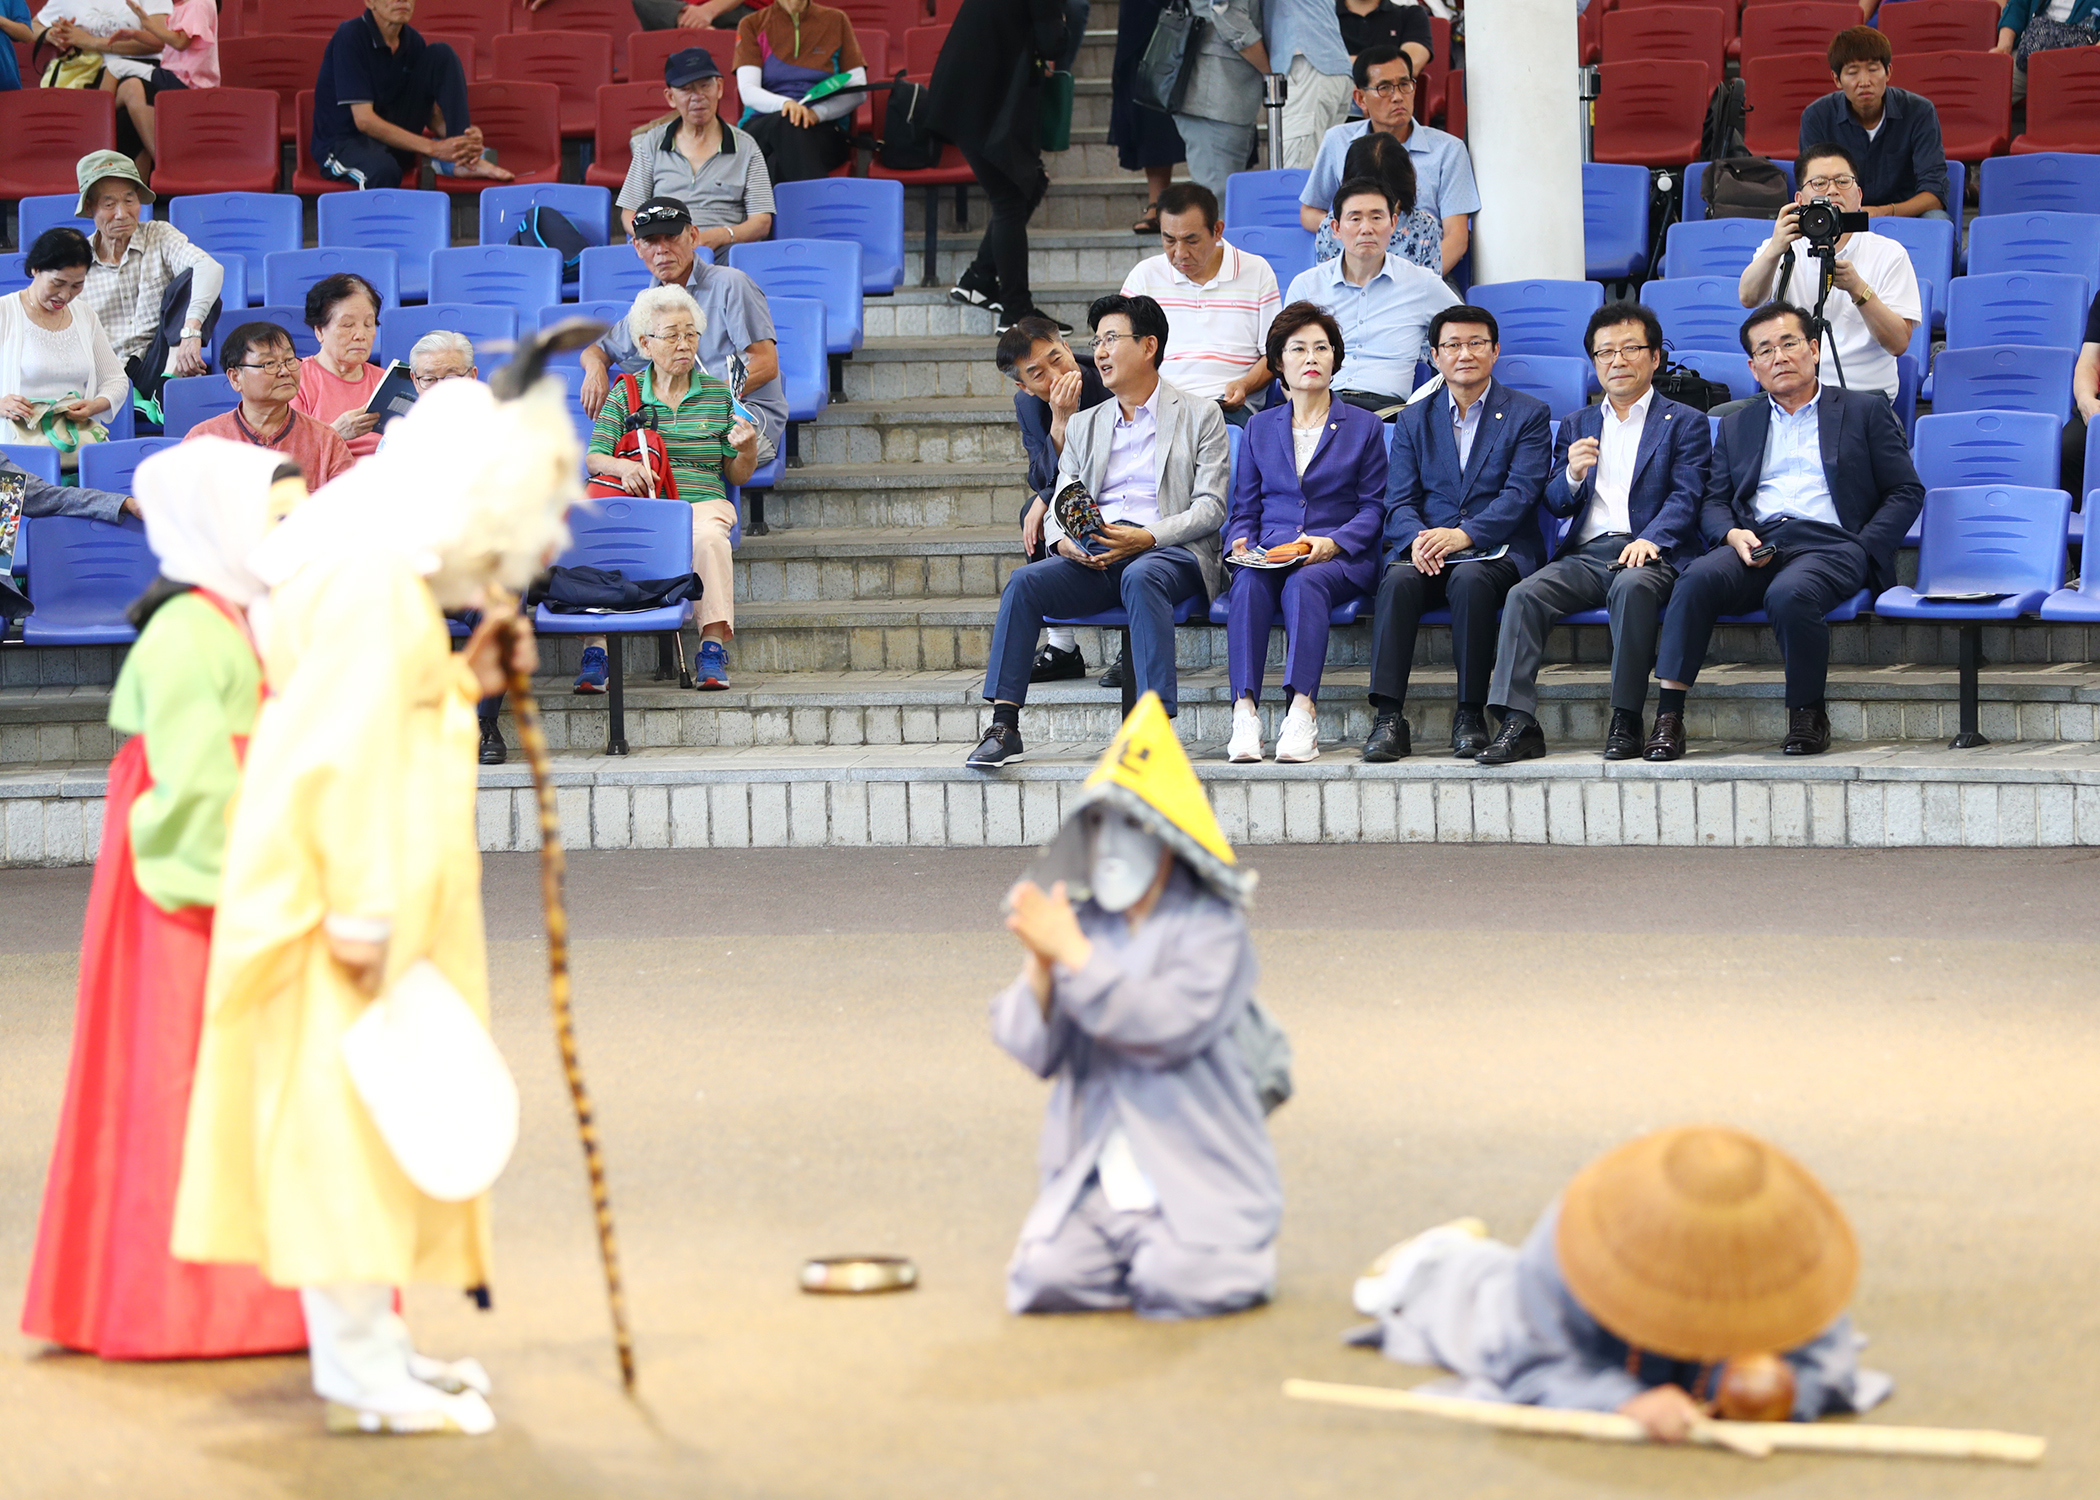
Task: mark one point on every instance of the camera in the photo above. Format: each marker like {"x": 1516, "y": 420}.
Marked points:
{"x": 1823, "y": 224}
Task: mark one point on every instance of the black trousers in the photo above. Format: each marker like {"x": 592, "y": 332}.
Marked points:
{"x": 1817, "y": 568}
{"x": 798, "y": 153}
{"x": 1003, "y": 253}
{"x": 147, "y": 368}
{"x": 1473, "y": 590}
{"x": 441, "y": 83}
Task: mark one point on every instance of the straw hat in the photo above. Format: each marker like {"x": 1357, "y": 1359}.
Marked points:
{"x": 1703, "y": 1242}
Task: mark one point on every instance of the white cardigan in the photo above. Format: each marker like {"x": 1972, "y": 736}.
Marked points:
{"x": 100, "y": 372}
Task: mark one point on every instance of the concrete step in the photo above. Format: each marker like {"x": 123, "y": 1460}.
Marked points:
{"x": 947, "y": 429}
{"x": 852, "y": 496}
{"x": 1091, "y": 257}
{"x": 900, "y": 368}
{"x": 810, "y": 565}
{"x": 929, "y": 312}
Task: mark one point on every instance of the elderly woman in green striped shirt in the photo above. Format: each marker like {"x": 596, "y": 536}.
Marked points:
{"x": 709, "y": 446}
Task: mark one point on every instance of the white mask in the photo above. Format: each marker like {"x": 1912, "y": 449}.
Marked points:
{"x": 1126, "y": 862}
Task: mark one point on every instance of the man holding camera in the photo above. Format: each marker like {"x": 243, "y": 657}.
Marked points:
{"x": 1871, "y": 304}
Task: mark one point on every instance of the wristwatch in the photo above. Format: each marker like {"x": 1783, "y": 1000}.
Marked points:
{"x": 1862, "y": 301}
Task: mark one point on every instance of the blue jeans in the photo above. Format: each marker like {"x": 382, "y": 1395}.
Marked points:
{"x": 1147, "y": 587}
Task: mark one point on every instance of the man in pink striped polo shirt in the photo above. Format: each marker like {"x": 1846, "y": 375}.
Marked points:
{"x": 1219, "y": 303}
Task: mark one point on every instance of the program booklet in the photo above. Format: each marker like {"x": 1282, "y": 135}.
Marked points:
{"x": 395, "y": 394}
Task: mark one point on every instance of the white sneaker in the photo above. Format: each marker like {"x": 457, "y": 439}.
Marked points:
{"x": 1299, "y": 739}
{"x": 1244, "y": 748}
{"x": 450, "y": 1375}
{"x": 412, "y": 1407}
{"x": 1382, "y": 1288}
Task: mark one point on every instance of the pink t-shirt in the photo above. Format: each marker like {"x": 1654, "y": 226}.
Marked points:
{"x": 197, "y": 65}
{"x": 324, "y": 396}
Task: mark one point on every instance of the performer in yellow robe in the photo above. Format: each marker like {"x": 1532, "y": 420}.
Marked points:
{"x": 351, "y": 857}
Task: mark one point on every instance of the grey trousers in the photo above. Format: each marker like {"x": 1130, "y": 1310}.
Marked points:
{"x": 1100, "y": 1259}
{"x": 1215, "y": 150}
{"x": 1582, "y": 579}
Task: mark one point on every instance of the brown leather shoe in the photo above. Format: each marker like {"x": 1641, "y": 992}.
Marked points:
{"x": 1807, "y": 731}
{"x": 1666, "y": 741}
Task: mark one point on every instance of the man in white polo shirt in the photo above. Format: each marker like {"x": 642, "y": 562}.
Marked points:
{"x": 1219, "y": 302}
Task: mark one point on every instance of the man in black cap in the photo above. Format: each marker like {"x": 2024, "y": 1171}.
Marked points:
{"x": 714, "y": 169}
{"x": 737, "y": 345}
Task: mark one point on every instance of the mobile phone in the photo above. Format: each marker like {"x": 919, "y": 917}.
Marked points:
{"x": 1759, "y": 554}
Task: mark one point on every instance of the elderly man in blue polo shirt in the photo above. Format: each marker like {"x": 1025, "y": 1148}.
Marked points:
{"x": 1383, "y": 302}
{"x": 1385, "y": 92}
{"x": 381, "y": 85}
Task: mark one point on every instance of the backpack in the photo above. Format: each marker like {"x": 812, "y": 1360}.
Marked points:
{"x": 1726, "y": 111}
{"x": 1682, "y": 383}
{"x": 907, "y": 145}
{"x": 549, "y": 228}
{"x": 639, "y": 440}
{"x": 1744, "y": 187}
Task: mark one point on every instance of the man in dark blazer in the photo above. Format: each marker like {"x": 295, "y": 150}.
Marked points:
{"x": 1628, "y": 476}
{"x": 1468, "y": 467}
{"x": 1808, "y": 497}
{"x": 1055, "y": 385}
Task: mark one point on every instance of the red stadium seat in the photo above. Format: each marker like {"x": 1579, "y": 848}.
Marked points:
{"x": 1679, "y": 33}
{"x": 282, "y": 64}
{"x": 1940, "y": 26}
{"x": 1777, "y": 89}
{"x": 232, "y": 23}
{"x": 521, "y": 123}
{"x": 944, "y": 11}
{"x": 647, "y": 51}
{"x": 922, "y": 47}
{"x": 1650, "y": 113}
{"x": 2063, "y": 102}
{"x": 215, "y": 141}
{"x": 894, "y": 17}
{"x": 1429, "y": 94}
{"x": 308, "y": 180}
{"x": 301, "y": 17}
{"x": 579, "y": 63}
{"x": 1769, "y": 29}
{"x": 1455, "y": 104}
{"x": 463, "y": 48}
{"x": 47, "y": 131}
{"x": 623, "y": 108}
{"x": 950, "y": 171}
{"x": 1973, "y": 93}
{"x": 483, "y": 20}
{"x": 613, "y": 18}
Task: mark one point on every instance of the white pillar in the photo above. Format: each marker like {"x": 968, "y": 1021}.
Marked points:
{"x": 1526, "y": 139}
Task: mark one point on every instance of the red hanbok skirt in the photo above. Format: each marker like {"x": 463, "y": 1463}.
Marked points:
{"x": 103, "y": 1280}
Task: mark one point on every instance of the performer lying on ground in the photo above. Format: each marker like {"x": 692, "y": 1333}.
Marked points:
{"x": 103, "y": 1280}
{"x": 353, "y": 856}
{"x": 1661, "y": 1262}
{"x": 1159, "y": 1184}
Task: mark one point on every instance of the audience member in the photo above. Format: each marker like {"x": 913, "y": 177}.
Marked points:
{"x": 1418, "y": 234}
{"x": 1312, "y": 473}
{"x": 1384, "y": 303}
{"x": 1305, "y": 45}
{"x": 381, "y": 87}
{"x": 1873, "y": 306}
{"x": 263, "y": 368}
{"x": 1382, "y": 23}
{"x": 1219, "y": 300}
{"x": 2031, "y": 26}
{"x": 40, "y": 497}
{"x": 338, "y": 379}
{"x": 1145, "y": 139}
{"x": 1154, "y": 460}
{"x": 699, "y": 158}
{"x": 14, "y": 27}
{"x": 1629, "y": 476}
{"x": 709, "y": 448}
{"x": 188, "y": 40}
{"x": 664, "y": 15}
{"x": 1809, "y": 495}
{"x": 156, "y": 293}
{"x": 1892, "y": 133}
{"x": 1222, "y": 91}
{"x": 782, "y": 52}
{"x": 1461, "y": 527}
{"x": 1385, "y": 92}
{"x": 94, "y": 51}
{"x": 57, "y": 369}
{"x": 737, "y": 346}
{"x": 984, "y": 96}
{"x": 1054, "y": 386}
{"x": 438, "y": 356}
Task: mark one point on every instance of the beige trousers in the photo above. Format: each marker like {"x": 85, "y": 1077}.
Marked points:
{"x": 711, "y": 560}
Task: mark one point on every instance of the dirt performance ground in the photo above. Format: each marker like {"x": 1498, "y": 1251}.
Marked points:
{"x": 790, "y": 1057}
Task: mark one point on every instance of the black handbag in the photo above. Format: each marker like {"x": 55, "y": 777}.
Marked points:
{"x": 1162, "y": 80}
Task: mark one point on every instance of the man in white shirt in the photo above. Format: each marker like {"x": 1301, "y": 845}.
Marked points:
{"x": 1873, "y": 305}
{"x": 1219, "y": 301}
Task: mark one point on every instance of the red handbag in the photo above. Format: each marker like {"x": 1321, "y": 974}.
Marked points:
{"x": 641, "y": 442}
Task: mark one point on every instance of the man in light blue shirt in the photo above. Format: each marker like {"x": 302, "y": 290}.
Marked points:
{"x": 1383, "y": 303}
{"x": 1305, "y": 45}
{"x": 1385, "y": 92}
{"x": 1791, "y": 481}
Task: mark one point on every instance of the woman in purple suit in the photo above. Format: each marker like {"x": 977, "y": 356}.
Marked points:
{"x": 1310, "y": 472}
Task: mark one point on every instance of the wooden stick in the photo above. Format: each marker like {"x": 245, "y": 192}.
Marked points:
{"x": 1752, "y": 1439}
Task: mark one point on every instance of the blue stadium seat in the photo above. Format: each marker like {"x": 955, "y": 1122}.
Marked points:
{"x": 1561, "y": 382}
{"x": 828, "y": 270}
{"x": 122, "y": 423}
{"x": 44, "y": 211}
{"x": 1287, "y": 249}
{"x": 42, "y": 461}
{"x": 2011, "y": 377}
{"x": 1697, "y": 312}
{"x": 187, "y": 400}
{"x": 109, "y": 466}
{"x": 603, "y": 312}
{"x": 805, "y": 373}
{"x": 13, "y": 274}
{"x": 2065, "y": 243}
{"x": 612, "y": 273}
{"x": 403, "y": 220}
{"x": 2017, "y": 307}
{"x": 1955, "y": 450}
{"x": 490, "y": 325}
{"x": 1541, "y": 317}
{"x": 2046, "y": 181}
{"x": 246, "y": 224}
{"x": 83, "y": 575}
{"x": 522, "y": 277}
{"x": 504, "y": 207}
{"x": 288, "y": 273}
{"x": 1615, "y": 238}
{"x": 1729, "y": 366}
{"x": 869, "y": 210}
{"x": 1253, "y": 198}
{"x": 1931, "y": 243}
{"x": 233, "y": 291}
{"x": 1694, "y": 203}
{"x": 291, "y": 319}
{"x": 1713, "y": 247}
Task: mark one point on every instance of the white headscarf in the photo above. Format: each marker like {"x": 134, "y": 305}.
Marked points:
{"x": 207, "y": 508}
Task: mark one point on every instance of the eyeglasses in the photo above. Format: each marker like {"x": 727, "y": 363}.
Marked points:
{"x": 1606, "y": 356}
{"x": 1830, "y": 184}
{"x": 1469, "y": 346}
{"x": 1791, "y": 344}
{"x": 425, "y": 382}
{"x": 275, "y": 367}
{"x": 1109, "y": 341}
{"x": 1392, "y": 88}
{"x": 675, "y": 340}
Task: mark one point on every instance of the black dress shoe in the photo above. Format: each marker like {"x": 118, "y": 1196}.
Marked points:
{"x": 1000, "y": 744}
{"x": 1055, "y": 665}
{"x": 1667, "y": 742}
{"x": 1623, "y": 740}
{"x": 1807, "y": 731}
{"x": 493, "y": 751}
{"x": 1113, "y": 677}
{"x": 1513, "y": 743}
{"x": 1389, "y": 740}
{"x": 1469, "y": 733}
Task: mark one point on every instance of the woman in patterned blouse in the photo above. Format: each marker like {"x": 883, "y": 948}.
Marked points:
{"x": 1418, "y": 235}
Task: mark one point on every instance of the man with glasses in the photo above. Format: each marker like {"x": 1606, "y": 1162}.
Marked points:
{"x": 263, "y": 368}
{"x": 439, "y": 356}
{"x": 1873, "y": 305}
{"x": 1385, "y": 92}
{"x": 1461, "y": 526}
{"x": 1630, "y": 475}
{"x": 1808, "y": 497}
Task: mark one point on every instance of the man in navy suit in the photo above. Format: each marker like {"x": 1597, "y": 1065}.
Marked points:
{"x": 1809, "y": 495}
{"x": 1629, "y": 475}
{"x": 1468, "y": 467}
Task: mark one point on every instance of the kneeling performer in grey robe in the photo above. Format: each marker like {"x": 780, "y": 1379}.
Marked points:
{"x": 1136, "y": 995}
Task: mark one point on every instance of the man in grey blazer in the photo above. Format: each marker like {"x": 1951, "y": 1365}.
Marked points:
{"x": 1154, "y": 459}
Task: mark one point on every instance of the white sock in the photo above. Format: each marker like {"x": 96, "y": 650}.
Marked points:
{"x": 1061, "y": 637}
{"x": 1244, "y": 709}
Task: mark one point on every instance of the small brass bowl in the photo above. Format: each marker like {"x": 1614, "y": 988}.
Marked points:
{"x": 859, "y": 1275}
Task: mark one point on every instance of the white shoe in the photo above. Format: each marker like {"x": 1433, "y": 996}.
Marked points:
{"x": 1244, "y": 748}
{"x": 1299, "y": 739}
{"x": 410, "y": 1408}
{"x": 1383, "y": 1286}
{"x": 450, "y": 1375}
